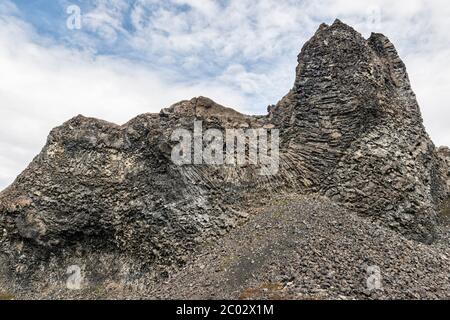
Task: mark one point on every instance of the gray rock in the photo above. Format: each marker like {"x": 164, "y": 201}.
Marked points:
{"x": 109, "y": 199}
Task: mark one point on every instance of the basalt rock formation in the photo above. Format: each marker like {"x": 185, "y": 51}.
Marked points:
{"x": 109, "y": 198}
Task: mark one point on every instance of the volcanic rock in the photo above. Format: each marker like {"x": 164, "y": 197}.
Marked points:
{"x": 108, "y": 198}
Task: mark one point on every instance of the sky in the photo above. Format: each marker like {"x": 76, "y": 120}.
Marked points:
{"x": 131, "y": 57}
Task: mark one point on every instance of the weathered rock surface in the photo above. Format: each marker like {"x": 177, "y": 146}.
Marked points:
{"x": 109, "y": 199}
{"x": 355, "y": 128}
{"x": 311, "y": 248}
{"x": 444, "y": 153}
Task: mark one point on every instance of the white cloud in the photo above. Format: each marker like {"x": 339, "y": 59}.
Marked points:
{"x": 106, "y": 19}
{"x": 241, "y": 53}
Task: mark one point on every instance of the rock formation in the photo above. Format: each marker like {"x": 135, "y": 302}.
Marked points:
{"x": 109, "y": 198}
{"x": 354, "y": 125}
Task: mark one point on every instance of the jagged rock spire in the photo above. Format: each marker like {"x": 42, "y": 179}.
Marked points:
{"x": 357, "y": 131}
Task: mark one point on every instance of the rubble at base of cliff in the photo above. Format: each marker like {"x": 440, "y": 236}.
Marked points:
{"x": 103, "y": 212}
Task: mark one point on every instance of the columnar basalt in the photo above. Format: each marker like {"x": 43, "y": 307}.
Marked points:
{"x": 109, "y": 198}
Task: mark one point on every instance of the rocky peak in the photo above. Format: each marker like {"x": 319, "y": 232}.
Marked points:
{"x": 444, "y": 154}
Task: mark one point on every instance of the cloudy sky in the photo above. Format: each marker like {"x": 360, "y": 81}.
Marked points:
{"x": 136, "y": 56}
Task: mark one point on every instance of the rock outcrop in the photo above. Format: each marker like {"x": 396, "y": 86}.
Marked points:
{"x": 354, "y": 125}
{"x": 109, "y": 198}
{"x": 444, "y": 153}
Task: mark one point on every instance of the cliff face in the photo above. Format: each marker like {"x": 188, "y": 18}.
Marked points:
{"x": 354, "y": 124}
{"x": 444, "y": 153}
{"x": 109, "y": 198}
